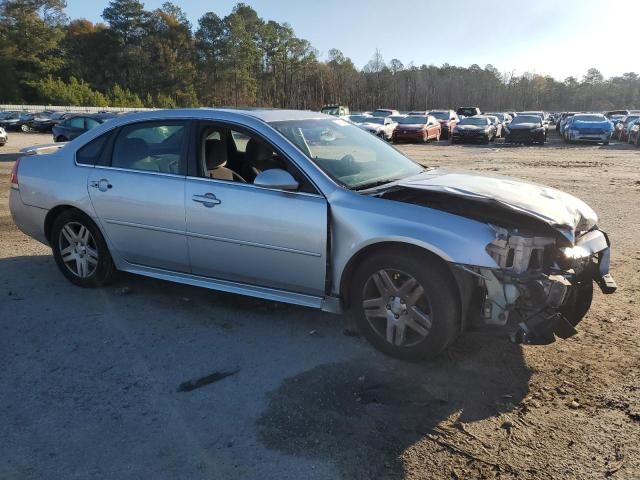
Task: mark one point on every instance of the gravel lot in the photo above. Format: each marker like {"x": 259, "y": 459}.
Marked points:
{"x": 89, "y": 378}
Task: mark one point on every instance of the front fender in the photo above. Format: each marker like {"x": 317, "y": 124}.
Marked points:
{"x": 360, "y": 221}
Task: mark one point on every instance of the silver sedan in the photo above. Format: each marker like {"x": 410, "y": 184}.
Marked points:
{"x": 305, "y": 208}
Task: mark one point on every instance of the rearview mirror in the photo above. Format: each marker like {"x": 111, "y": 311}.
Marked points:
{"x": 276, "y": 178}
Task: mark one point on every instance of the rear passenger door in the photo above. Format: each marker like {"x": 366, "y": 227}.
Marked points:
{"x": 138, "y": 193}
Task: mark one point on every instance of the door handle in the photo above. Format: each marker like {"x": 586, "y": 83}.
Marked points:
{"x": 209, "y": 200}
{"x": 103, "y": 184}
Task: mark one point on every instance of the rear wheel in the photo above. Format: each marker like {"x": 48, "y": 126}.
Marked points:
{"x": 406, "y": 305}
{"x": 80, "y": 250}
{"x": 25, "y": 128}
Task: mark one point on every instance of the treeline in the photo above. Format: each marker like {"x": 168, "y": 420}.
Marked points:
{"x": 157, "y": 58}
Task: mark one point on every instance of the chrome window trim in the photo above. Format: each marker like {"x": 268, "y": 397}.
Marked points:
{"x": 251, "y": 185}
{"x": 148, "y": 172}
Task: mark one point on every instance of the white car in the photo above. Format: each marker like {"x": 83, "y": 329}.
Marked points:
{"x": 382, "y": 127}
{"x": 4, "y": 138}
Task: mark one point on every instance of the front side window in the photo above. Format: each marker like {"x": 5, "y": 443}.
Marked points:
{"x": 226, "y": 153}
{"x": 151, "y": 146}
{"x": 90, "y": 123}
{"x": 349, "y": 155}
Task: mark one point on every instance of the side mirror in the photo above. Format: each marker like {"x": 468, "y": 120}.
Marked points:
{"x": 276, "y": 178}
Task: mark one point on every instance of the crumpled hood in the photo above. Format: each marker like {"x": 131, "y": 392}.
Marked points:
{"x": 565, "y": 213}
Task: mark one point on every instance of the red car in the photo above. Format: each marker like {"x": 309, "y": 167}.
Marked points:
{"x": 416, "y": 129}
{"x": 623, "y": 132}
{"x": 448, "y": 120}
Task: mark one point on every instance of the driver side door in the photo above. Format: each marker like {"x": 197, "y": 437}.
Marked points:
{"x": 241, "y": 232}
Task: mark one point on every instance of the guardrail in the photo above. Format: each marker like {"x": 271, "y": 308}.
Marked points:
{"x": 68, "y": 108}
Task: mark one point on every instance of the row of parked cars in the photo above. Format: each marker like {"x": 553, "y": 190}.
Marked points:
{"x": 64, "y": 126}
{"x": 622, "y": 125}
{"x": 466, "y": 124}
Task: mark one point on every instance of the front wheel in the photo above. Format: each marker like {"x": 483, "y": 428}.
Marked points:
{"x": 406, "y": 305}
{"x": 80, "y": 250}
{"x": 25, "y": 128}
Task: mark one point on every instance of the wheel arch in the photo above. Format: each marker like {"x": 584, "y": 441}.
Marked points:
{"x": 55, "y": 212}
{"x": 464, "y": 282}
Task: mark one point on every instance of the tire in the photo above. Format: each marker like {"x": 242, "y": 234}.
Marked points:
{"x": 25, "y": 128}
{"x": 80, "y": 250}
{"x": 430, "y": 321}
{"x": 607, "y": 143}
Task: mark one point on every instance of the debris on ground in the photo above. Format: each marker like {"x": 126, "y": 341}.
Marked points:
{"x": 190, "y": 385}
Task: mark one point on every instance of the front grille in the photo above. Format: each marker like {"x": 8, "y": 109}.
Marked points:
{"x": 591, "y": 131}
{"x": 521, "y": 135}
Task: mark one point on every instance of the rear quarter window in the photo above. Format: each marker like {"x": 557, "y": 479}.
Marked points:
{"x": 92, "y": 152}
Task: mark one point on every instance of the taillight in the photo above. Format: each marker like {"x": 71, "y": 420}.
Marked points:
{"x": 14, "y": 173}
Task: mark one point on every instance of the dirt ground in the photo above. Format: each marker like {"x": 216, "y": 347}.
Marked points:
{"x": 89, "y": 379}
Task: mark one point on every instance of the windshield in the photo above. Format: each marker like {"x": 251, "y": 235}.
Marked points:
{"x": 631, "y": 118}
{"x": 359, "y": 118}
{"x": 412, "y": 120}
{"x": 440, "y": 115}
{"x": 589, "y": 118}
{"x": 382, "y": 113}
{"x": 467, "y": 112}
{"x": 349, "y": 155}
{"x": 526, "y": 119}
{"x": 378, "y": 120}
{"x": 499, "y": 116}
{"x": 480, "y": 122}
{"x": 331, "y": 110}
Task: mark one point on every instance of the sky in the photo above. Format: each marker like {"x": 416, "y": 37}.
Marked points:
{"x": 560, "y": 38}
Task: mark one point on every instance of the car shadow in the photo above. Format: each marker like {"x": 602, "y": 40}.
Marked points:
{"x": 364, "y": 415}
{"x": 346, "y": 405}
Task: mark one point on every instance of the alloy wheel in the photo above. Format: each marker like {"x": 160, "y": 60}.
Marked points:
{"x": 78, "y": 249}
{"x": 396, "y": 307}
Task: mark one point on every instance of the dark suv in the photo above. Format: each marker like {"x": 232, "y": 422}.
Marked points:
{"x": 468, "y": 111}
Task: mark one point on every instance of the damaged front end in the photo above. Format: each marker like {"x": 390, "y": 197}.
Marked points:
{"x": 547, "y": 249}
{"x": 541, "y": 288}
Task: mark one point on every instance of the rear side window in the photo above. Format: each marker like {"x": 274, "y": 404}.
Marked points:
{"x": 76, "y": 122}
{"x": 152, "y": 147}
{"x": 90, "y": 154}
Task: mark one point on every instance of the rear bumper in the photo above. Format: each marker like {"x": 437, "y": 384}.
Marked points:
{"x": 30, "y": 220}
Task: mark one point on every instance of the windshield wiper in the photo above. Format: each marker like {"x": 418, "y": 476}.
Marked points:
{"x": 378, "y": 183}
